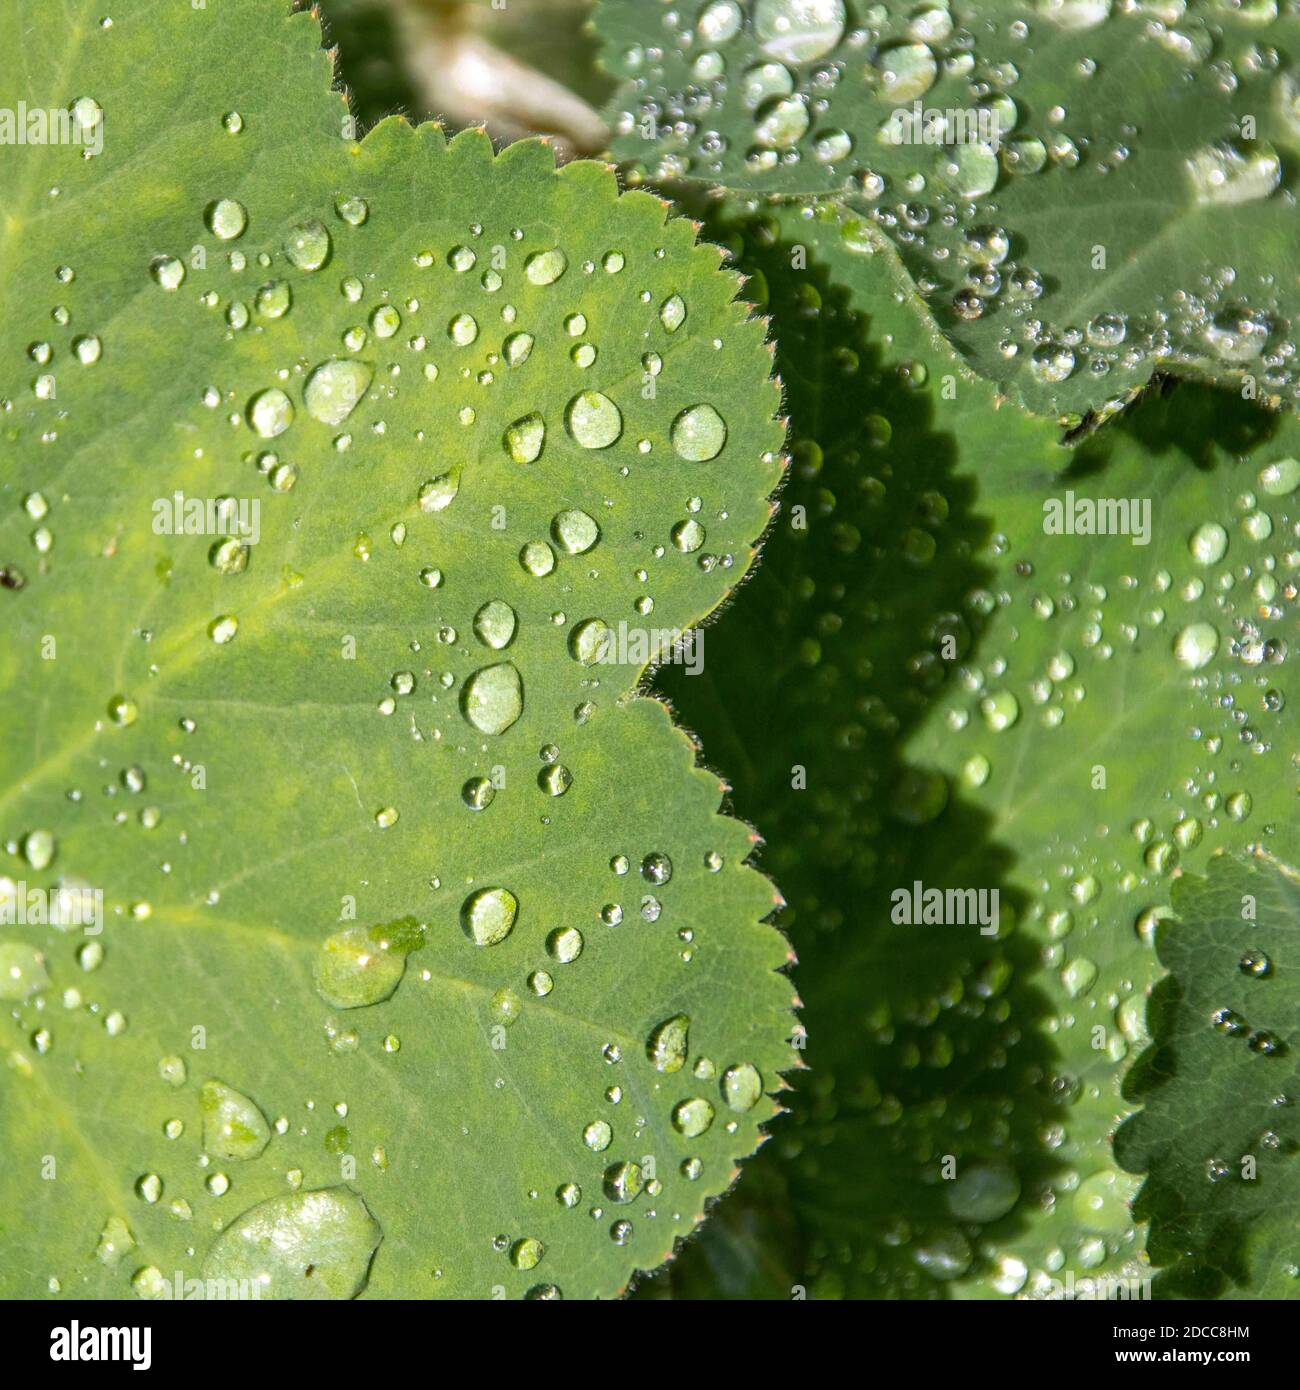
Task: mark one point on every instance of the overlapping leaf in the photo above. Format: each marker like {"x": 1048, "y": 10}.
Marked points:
{"x": 1218, "y": 1131}
{"x": 944, "y": 693}
{"x": 400, "y": 881}
{"x": 1081, "y": 191}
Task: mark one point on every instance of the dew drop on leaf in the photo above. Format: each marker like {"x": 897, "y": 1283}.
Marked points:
{"x": 308, "y": 1245}
{"x": 335, "y": 389}
{"x": 546, "y": 267}
{"x": 358, "y": 966}
{"x": 488, "y": 916}
{"x": 593, "y": 420}
{"x": 668, "y": 1042}
{"x": 270, "y": 413}
{"x": 494, "y": 624}
{"x": 699, "y": 433}
{"x": 226, "y": 219}
{"x": 233, "y": 1126}
{"x": 692, "y": 1117}
{"x": 493, "y": 698}
{"x": 525, "y": 439}
{"x": 308, "y": 245}
{"x": 741, "y": 1087}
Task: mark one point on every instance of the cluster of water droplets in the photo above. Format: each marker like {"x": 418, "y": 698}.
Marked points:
{"x": 803, "y": 96}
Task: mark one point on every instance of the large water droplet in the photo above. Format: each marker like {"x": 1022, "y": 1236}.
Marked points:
{"x": 270, "y": 413}
{"x": 593, "y": 420}
{"x": 226, "y": 219}
{"x": 1195, "y": 646}
{"x": 699, "y": 433}
{"x": 1226, "y": 174}
{"x": 363, "y": 965}
{"x": 22, "y": 971}
{"x": 546, "y": 267}
{"x": 493, "y": 698}
{"x": 494, "y": 624}
{"x": 488, "y": 916}
{"x": 308, "y": 1245}
{"x": 335, "y": 389}
{"x": 233, "y": 1126}
{"x": 797, "y": 31}
{"x": 308, "y": 245}
{"x": 741, "y": 1086}
{"x": 983, "y": 1192}
{"x": 525, "y": 439}
{"x": 575, "y": 531}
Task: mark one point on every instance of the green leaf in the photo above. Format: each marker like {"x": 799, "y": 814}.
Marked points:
{"x": 1131, "y": 209}
{"x": 1218, "y": 1134}
{"x": 397, "y": 883}
{"x": 914, "y": 513}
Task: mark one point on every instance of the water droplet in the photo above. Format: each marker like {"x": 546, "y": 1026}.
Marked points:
{"x": 907, "y": 71}
{"x": 488, "y": 916}
{"x": 22, "y": 971}
{"x": 1225, "y": 174}
{"x": 123, "y": 711}
{"x": 797, "y": 31}
{"x": 537, "y": 558}
{"x": 555, "y": 780}
{"x": 699, "y": 433}
{"x": 1079, "y": 976}
{"x": 527, "y": 1253}
{"x": 463, "y": 330}
{"x": 597, "y": 1136}
{"x": 439, "y": 493}
{"x": 593, "y": 420}
{"x": 692, "y": 1117}
{"x": 1000, "y": 710}
{"x": 575, "y": 532}
{"x": 546, "y": 267}
{"x": 359, "y": 965}
{"x": 688, "y": 536}
{"x": 518, "y": 348}
{"x": 741, "y": 1086}
{"x": 270, "y": 413}
{"x": 564, "y": 944}
{"x": 167, "y": 271}
{"x": 672, "y": 313}
{"x": 1256, "y": 964}
{"x": 623, "y": 1182}
{"x": 227, "y": 219}
{"x": 493, "y": 698}
{"x": 590, "y": 641}
{"x": 274, "y": 299}
{"x": 667, "y": 1045}
{"x": 494, "y": 624}
{"x": 308, "y": 1245}
{"x": 1209, "y": 543}
{"x": 1281, "y": 478}
{"x": 1195, "y": 646}
{"x": 335, "y": 389}
{"x": 39, "y": 848}
{"x": 223, "y": 629}
{"x": 983, "y": 1192}
{"x": 353, "y": 211}
{"x": 233, "y": 1126}
{"x": 525, "y": 439}
{"x": 308, "y": 245}
{"x": 115, "y": 1240}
